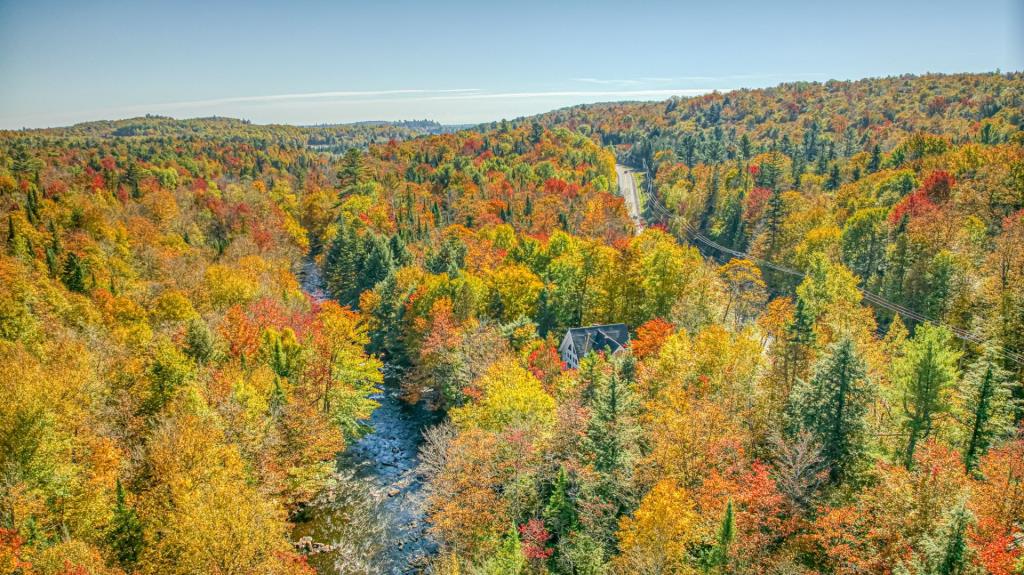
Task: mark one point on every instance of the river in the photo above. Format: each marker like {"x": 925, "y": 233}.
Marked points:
{"x": 372, "y": 520}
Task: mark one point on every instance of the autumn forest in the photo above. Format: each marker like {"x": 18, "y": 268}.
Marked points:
{"x": 226, "y": 347}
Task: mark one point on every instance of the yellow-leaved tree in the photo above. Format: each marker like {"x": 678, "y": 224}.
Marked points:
{"x": 511, "y": 398}
{"x": 657, "y": 538}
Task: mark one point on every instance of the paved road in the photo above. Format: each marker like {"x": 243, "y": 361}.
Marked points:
{"x": 627, "y": 188}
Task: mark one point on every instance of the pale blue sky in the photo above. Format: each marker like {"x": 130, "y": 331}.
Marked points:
{"x": 309, "y": 61}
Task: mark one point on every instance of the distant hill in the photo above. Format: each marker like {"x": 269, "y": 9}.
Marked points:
{"x": 324, "y": 137}
{"x": 845, "y": 117}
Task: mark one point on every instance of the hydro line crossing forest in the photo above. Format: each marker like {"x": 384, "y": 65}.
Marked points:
{"x": 824, "y": 305}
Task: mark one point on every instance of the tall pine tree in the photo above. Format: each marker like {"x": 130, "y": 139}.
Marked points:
{"x": 925, "y": 374}
{"x": 832, "y": 406}
{"x": 987, "y": 407}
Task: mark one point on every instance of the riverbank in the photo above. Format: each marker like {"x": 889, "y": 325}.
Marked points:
{"x": 372, "y": 520}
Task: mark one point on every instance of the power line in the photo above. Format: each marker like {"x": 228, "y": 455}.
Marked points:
{"x": 871, "y": 297}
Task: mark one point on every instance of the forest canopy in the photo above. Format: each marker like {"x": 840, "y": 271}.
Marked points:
{"x": 826, "y": 316}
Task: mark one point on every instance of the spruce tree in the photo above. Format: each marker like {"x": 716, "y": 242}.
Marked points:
{"x": 924, "y": 375}
{"x": 955, "y": 553}
{"x": 745, "y": 148}
{"x": 832, "y": 406}
{"x": 773, "y": 217}
{"x": 710, "y": 202}
{"x": 125, "y": 536}
{"x": 800, "y": 340}
{"x": 32, "y": 205}
{"x": 73, "y": 274}
{"x": 876, "y": 159}
{"x": 399, "y": 252}
{"x": 834, "y": 180}
{"x": 199, "y": 341}
{"x": 341, "y": 265}
{"x": 351, "y": 173}
{"x": 546, "y": 313}
{"x": 719, "y": 555}
{"x": 987, "y": 405}
{"x": 560, "y": 512}
{"x": 898, "y": 261}
{"x": 612, "y": 429}
{"x": 376, "y": 265}
{"x": 733, "y": 234}
{"x": 387, "y": 341}
{"x": 449, "y": 258}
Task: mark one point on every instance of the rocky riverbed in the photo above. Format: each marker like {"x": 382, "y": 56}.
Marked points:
{"x": 372, "y": 519}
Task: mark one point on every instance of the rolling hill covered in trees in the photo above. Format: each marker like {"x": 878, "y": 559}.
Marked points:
{"x": 826, "y": 313}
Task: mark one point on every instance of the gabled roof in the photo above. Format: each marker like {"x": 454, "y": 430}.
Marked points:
{"x": 612, "y": 336}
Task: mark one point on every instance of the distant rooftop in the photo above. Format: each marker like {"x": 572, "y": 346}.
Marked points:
{"x": 611, "y": 336}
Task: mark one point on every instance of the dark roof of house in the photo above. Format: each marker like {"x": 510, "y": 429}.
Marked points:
{"x": 586, "y": 339}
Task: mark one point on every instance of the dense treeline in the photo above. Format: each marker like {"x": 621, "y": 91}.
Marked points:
{"x": 914, "y": 184}
{"x": 334, "y": 138}
{"x": 176, "y": 395}
{"x": 170, "y": 393}
{"x": 759, "y": 423}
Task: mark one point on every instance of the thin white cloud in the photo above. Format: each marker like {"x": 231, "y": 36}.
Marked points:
{"x": 293, "y": 97}
{"x": 458, "y": 105}
{"x": 310, "y": 96}
{"x": 588, "y": 94}
{"x": 266, "y": 101}
{"x": 667, "y": 79}
{"x": 608, "y": 82}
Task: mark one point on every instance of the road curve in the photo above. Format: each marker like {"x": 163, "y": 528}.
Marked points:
{"x": 627, "y": 189}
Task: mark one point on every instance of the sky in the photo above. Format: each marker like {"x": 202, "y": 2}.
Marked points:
{"x": 457, "y": 62}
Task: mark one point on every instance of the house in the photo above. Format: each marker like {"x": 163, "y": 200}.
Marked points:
{"x": 579, "y": 341}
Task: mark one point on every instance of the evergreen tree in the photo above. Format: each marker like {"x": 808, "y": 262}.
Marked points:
{"x": 876, "y": 159}
{"x": 377, "y": 264}
{"x": 799, "y": 344}
{"x": 132, "y": 177}
{"x": 612, "y": 429}
{"x": 23, "y": 162}
{"x": 770, "y": 173}
{"x": 924, "y": 375}
{"x": 773, "y": 217}
{"x": 52, "y": 264}
{"x": 73, "y": 274}
{"x": 719, "y": 555}
{"x": 832, "y": 406}
{"x": 745, "y": 148}
{"x": 955, "y": 553}
{"x": 710, "y": 202}
{"x": 546, "y": 313}
{"x": 342, "y": 264}
{"x": 449, "y": 258}
{"x": 834, "y": 180}
{"x": 733, "y": 233}
{"x": 399, "y": 252}
{"x": 507, "y": 559}
{"x": 125, "y": 536}
{"x": 898, "y": 261}
{"x": 987, "y": 406}
{"x": 352, "y": 173}
{"x": 32, "y": 205}
{"x": 798, "y": 168}
{"x": 536, "y": 132}
{"x": 939, "y": 280}
{"x": 386, "y": 341}
{"x": 199, "y": 341}
{"x": 560, "y": 512}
